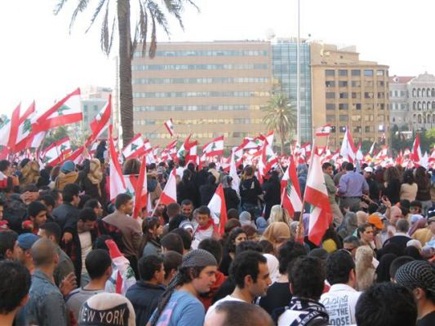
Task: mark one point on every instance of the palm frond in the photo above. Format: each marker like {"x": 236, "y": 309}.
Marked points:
{"x": 105, "y": 38}
{"x": 175, "y": 8}
{"x": 158, "y": 15}
{"x": 153, "y": 45}
{"x": 143, "y": 27}
{"x": 82, "y": 5}
{"x": 59, "y": 6}
{"x": 96, "y": 13}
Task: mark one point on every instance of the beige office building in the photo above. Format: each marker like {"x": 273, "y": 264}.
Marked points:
{"x": 348, "y": 92}
{"x": 209, "y": 89}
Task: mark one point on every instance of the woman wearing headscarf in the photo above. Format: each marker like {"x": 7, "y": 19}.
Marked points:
{"x": 232, "y": 200}
{"x": 93, "y": 181}
{"x": 29, "y": 172}
{"x": 420, "y": 224}
{"x": 365, "y": 271}
{"x": 348, "y": 226}
{"x": 272, "y": 193}
{"x": 68, "y": 174}
{"x": 277, "y": 233}
{"x": 273, "y": 265}
{"x": 187, "y": 189}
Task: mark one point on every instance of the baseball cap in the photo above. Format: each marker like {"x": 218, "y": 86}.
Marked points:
{"x": 26, "y": 240}
{"x": 187, "y": 225}
{"x": 417, "y": 274}
{"x": 376, "y": 221}
{"x": 107, "y": 309}
{"x": 368, "y": 169}
{"x": 67, "y": 167}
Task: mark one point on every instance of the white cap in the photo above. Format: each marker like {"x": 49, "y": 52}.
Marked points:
{"x": 368, "y": 169}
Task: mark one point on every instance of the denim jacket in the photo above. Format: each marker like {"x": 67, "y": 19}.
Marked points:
{"x": 46, "y": 306}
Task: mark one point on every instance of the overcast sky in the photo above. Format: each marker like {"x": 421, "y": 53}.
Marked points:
{"x": 40, "y": 60}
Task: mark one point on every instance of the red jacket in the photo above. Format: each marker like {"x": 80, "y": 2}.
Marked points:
{"x": 207, "y": 298}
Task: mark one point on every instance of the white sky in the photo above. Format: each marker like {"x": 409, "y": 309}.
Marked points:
{"x": 40, "y": 60}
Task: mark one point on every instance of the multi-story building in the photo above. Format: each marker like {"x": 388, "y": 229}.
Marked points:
{"x": 93, "y": 99}
{"x": 399, "y": 101}
{"x": 348, "y": 92}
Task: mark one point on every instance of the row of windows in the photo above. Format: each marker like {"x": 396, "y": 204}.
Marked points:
{"x": 85, "y": 108}
{"x": 367, "y": 95}
{"x": 200, "y": 67}
{"x": 195, "y": 108}
{"x": 203, "y": 121}
{"x": 423, "y": 106}
{"x": 223, "y": 80}
{"x": 355, "y": 117}
{"x": 198, "y": 94}
{"x": 208, "y": 53}
{"x": 357, "y": 129}
{"x": 398, "y": 93}
{"x": 354, "y": 72}
{"x": 354, "y": 106}
{"x": 398, "y": 106}
{"x": 354, "y": 83}
{"x": 423, "y": 92}
{"x": 419, "y": 118}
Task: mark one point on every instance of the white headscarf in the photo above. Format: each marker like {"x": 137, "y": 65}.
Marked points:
{"x": 273, "y": 265}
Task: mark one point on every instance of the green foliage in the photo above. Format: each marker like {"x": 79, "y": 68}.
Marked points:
{"x": 54, "y": 136}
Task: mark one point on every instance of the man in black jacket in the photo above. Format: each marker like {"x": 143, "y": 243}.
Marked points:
{"x": 145, "y": 294}
{"x": 66, "y": 215}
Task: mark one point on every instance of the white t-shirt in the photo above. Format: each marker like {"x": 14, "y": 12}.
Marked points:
{"x": 340, "y": 303}
{"x": 227, "y": 298}
{"x": 86, "y": 244}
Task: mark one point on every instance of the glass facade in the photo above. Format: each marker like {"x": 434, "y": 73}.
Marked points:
{"x": 284, "y": 68}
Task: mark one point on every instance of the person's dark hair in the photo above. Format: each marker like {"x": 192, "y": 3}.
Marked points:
{"x": 203, "y": 210}
{"x": 248, "y": 245}
{"x": 386, "y": 304}
{"x": 353, "y": 240}
{"x": 14, "y": 285}
{"x": 2, "y": 203}
{"x": 87, "y": 214}
{"x": 402, "y": 225}
{"x": 212, "y": 246}
{"x": 413, "y": 252}
{"x": 174, "y": 222}
{"x": 100, "y": 242}
{"x": 232, "y": 214}
{"x": 55, "y": 194}
{"x": 249, "y": 230}
{"x": 230, "y": 245}
{"x": 70, "y": 190}
{"x": 171, "y": 260}
{"x": 7, "y": 241}
{"x": 4, "y": 164}
{"x": 231, "y": 224}
{"x": 35, "y": 208}
{"x": 307, "y": 277}
{"x": 186, "y": 202}
{"x": 148, "y": 265}
{"x": 416, "y": 203}
{"x": 149, "y": 223}
{"x": 288, "y": 252}
{"x": 246, "y": 263}
{"x": 187, "y": 175}
{"x": 173, "y": 242}
{"x": 92, "y": 203}
{"x": 241, "y": 313}
{"x": 48, "y": 200}
{"x": 267, "y": 246}
{"x": 408, "y": 177}
{"x": 131, "y": 166}
{"x": 397, "y": 263}
{"x": 83, "y": 200}
{"x": 248, "y": 171}
{"x": 122, "y": 199}
{"x": 338, "y": 266}
{"x": 185, "y": 236}
{"x": 362, "y": 228}
{"x": 326, "y": 165}
{"x": 97, "y": 262}
{"x": 373, "y": 208}
{"x": 52, "y": 229}
{"x": 349, "y": 167}
{"x": 173, "y": 209}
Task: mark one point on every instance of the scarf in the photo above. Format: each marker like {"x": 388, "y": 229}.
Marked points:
{"x": 310, "y": 309}
{"x": 95, "y": 174}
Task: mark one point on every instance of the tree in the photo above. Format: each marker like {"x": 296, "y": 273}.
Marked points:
{"x": 151, "y": 13}
{"x": 430, "y": 136}
{"x": 280, "y": 117}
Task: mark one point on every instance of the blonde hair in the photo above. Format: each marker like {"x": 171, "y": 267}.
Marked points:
{"x": 365, "y": 272}
{"x": 279, "y": 214}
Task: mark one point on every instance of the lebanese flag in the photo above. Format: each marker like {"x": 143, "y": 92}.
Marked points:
{"x": 215, "y": 147}
{"x": 117, "y": 182}
{"x": 170, "y": 127}
{"x": 268, "y": 159}
{"x": 101, "y": 121}
{"x": 218, "y": 209}
{"x": 169, "y": 151}
{"x": 66, "y": 111}
{"x": 416, "y": 154}
{"x": 184, "y": 149}
{"x": 348, "y": 149}
{"x": 141, "y": 192}
{"x": 169, "y": 194}
{"x": 9, "y": 129}
{"x": 25, "y": 128}
{"x": 317, "y": 196}
{"x": 372, "y": 148}
{"x": 56, "y": 153}
{"x": 135, "y": 148}
{"x": 123, "y": 271}
{"x": 79, "y": 155}
{"x": 147, "y": 146}
{"x": 291, "y": 198}
{"x": 235, "y": 184}
{"x": 323, "y": 131}
{"x": 192, "y": 156}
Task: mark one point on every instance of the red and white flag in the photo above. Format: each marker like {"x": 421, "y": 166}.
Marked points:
{"x": 123, "y": 274}
{"x": 135, "y": 148}
{"x": 291, "y": 198}
{"x": 9, "y": 129}
{"x": 218, "y": 209}
{"x": 25, "y": 128}
{"x": 56, "y": 153}
{"x": 235, "y": 184}
{"x": 184, "y": 148}
{"x": 316, "y": 195}
{"x": 323, "y": 131}
{"x": 79, "y": 155}
{"x": 101, "y": 121}
{"x": 117, "y": 182}
{"x": 192, "y": 156}
{"x": 169, "y": 194}
{"x": 66, "y": 111}
{"x": 416, "y": 154}
{"x": 348, "y": 149}
{"x": 215, "y": 147}
{"x": 170, "y": 127}
{"x": 141, "y": 192}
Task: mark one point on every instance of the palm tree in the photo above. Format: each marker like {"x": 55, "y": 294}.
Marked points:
{"x": 280, "y": 117}
{"x": 149, "y": 13}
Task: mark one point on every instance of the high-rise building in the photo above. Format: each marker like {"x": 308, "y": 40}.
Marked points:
{"x": 399, "y": 102}
{"x": 348, "y": 92}
{"x": 93, "y": 99}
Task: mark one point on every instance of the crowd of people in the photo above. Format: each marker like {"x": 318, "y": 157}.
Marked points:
{"x": 70, "y": 256}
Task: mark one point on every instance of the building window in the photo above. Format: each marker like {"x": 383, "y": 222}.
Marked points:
{"x": 329, "y": 72}
{"x": 356, "y": 106}
{"x": 368, "y": 95}
{"x": 380, "y": 106}
{"x": 330, "y": 107}
{"x": 356, "y": 95}
{"x": 368, "y": 129}
{"x": 344, "y": 95}
{"x": 330, "y": 118}
{"x": 380, "y": 73}
{"x": 381, "y": 94}
{"x": 356, "y": 83}
{"x": 343, "y": 106}
{"x": 368, "y": 117}
{"x": 356, "y": 73}
{"x": 356, "y": 118}
{"x": 342, "y": 72}
{"x": 329, "y": 84}
{"x": 357, "y": 129}
{"x": 330, "y": 95}
{"x": 342, "y": 84}
{"x": 381, "y": 117}
{"x": 344, "y": 118}
{"x": 368, "y": 83}
{"x": 369, "y": 106}
{"x": 368, "y": 72}
{"x": 381, "y": 83}
{"x": 423, "y": 105}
